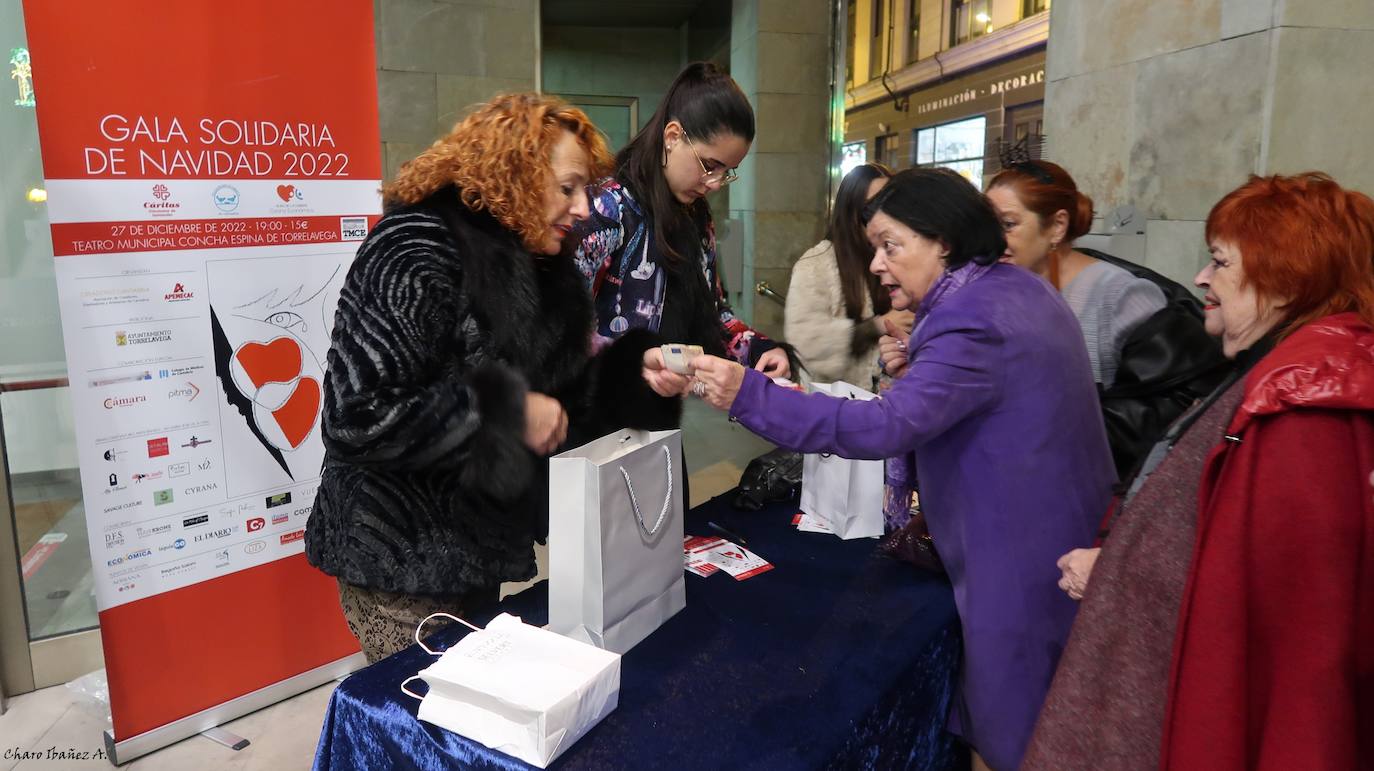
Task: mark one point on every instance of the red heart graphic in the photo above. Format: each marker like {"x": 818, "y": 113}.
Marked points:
{"x": 285, "y": 192}
{"x": 276, "y": 362}
{"x": 297, "y": 416}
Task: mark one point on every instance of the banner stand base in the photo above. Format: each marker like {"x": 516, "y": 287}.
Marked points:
{"x": 230, "y": 740}
{"x": 125, "y": 750}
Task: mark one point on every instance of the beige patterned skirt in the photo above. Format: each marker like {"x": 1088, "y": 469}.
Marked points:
{"x": 385, "y": 622}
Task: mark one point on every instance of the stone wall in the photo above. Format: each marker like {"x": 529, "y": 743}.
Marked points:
{"x": 1170, "y": 105}
{"x": 780, "y": 55}
{"x": 437, "y": 58}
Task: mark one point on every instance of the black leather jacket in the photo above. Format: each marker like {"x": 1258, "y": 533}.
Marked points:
{"x": 1167, "y": 363}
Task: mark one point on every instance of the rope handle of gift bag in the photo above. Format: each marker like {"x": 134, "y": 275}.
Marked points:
{"x": 667, "y": 497}
{"x": 428, "y": 650}
{"x": 850, "y": 397}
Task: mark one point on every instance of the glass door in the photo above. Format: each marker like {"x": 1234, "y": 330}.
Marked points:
{"x": 48, "y": 622}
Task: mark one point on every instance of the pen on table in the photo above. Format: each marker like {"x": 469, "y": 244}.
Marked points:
{"x": 736, "y": 537}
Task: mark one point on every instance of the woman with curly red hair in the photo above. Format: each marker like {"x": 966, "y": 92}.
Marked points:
{"x": 1229, "y": 621}
{"x": 461, "y": 358}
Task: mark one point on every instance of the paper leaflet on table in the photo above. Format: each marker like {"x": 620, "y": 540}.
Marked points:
{"x": 806, "y": 523}
{"x": 694, "y": 548}
{"x": 700, "y": 552}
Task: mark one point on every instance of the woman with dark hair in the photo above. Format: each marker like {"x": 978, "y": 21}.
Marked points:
{"x": 1229, "y": 622}
{"x": 836, "y": 309}
{"x": 648, "y": 251}
{"x": 460, "y": 359}
{"x": 997, "y": 412}
{"x": 1150, "y": 356}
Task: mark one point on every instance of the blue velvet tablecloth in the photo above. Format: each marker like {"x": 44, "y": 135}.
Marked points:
{"x": 836, "y": 658}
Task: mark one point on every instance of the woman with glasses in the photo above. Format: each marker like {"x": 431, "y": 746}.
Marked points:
{"x": 649, "y": 249}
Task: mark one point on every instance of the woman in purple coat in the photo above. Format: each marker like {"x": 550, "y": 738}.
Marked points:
{"x": 998, "y": 406}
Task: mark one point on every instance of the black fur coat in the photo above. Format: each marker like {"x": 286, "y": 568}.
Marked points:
{"x": 444, "y": 324}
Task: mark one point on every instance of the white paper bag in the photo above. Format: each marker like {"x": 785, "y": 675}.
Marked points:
{"x": 615, "y": 538}
{"x": 519, "y": 689}
{"x": 846, "y": 494}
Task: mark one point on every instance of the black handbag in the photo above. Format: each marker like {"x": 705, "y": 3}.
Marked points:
{"x": 772, "y": 477}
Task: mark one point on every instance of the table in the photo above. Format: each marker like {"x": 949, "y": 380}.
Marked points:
{"x": 837, "y": 658}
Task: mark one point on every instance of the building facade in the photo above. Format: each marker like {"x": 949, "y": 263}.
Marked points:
{"x": 944, "y": 82}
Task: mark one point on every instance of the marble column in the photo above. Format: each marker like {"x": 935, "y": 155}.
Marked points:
{"x": 437, "y": 58}
{"x": 780, "y": 55}
{"x": 1169, "y": 105}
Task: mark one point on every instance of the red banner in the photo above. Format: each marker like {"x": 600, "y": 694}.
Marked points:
{"x": 175, "y": 136}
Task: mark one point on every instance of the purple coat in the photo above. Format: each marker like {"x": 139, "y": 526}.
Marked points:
{"x": 1000, "y": 409}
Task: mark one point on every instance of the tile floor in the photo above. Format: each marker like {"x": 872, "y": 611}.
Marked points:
{"x": 284, "y": 735}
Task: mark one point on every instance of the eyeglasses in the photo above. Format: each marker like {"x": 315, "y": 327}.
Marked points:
{"x": 724, "y": 176}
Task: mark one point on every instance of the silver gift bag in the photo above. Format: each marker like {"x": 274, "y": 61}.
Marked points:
{"x": 846, "y": 494}
{"x": 615, "y": 538}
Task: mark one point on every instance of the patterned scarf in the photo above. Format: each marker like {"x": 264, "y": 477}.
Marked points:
{"x": 899, "y": 493}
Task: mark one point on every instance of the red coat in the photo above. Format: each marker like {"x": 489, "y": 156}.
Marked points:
{"x": 1273, "y": 664}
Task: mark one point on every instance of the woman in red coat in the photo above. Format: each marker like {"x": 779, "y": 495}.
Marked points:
{"x": 1229, "y": 622}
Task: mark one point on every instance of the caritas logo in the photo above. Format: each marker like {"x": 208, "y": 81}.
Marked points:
{"x": 256, "y": 523}
{"x": 163, "y": 206}
{"x": 178, "y": 294}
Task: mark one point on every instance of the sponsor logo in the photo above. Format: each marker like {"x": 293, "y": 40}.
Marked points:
{"x": 163, "y": 374}
{"x": 112, "y": 484}
{"x": 130, "y": 557}
{"x": 151, "y": 475}
{"x": 143, "y": 338}
{"x": 204, "y": 465}
{"x": 114, "y": 538}
{"x": 253, "y": 547}
{"x": 179, "y": 543}
{"x": 148, "y": 532}
{"x": 280, "y": 499}
{"x": 198, "y": 519}
{"x": 179, "y": 469}
{"x": 226, "y": 198}
{"x": 178, "y": 294}
{"x": 303, "y": 512}
{"x": 205, "y": 488}
{"x": 162, "y": 205}
{"x": 256, "y": 523}
{"x": 194, "y": 443}
{"x": 352, "y": 228}
{"x": 134, "y": 378}
{"x": 280, "y": 519}
{"x": 292, "y": 537}
{"x": 105, "y": 297}
{"x": 123, "y": 401}
{"x": 113, "y": 456}
{"x": 162, "y": 497}
{"x": 289, "y": 193}
{"x": 215, "y": 535}
{"x": 125, "y": 586}
{"x": 222, "y": 558}
{"x": 178, "y": 569}
{"x": 189, "y": 393}
{"x": 158, "y": 447}
{"x": 122, "y": 506}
